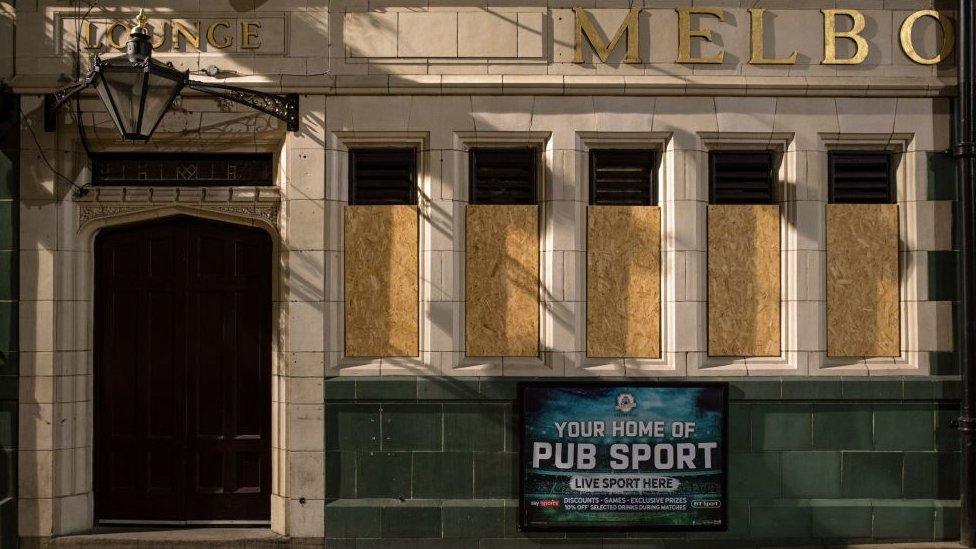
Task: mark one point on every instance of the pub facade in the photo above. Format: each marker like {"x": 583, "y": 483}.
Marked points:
{"x": 314, "y": 326}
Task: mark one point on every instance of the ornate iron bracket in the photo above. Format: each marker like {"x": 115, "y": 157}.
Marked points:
{"x": 283, "y": 107}
{"x": 53, "y": 101}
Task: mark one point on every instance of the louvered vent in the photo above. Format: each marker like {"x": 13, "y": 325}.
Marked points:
{"x": 741, "y": 177}
{"x": 382, "y": 176}
{"x": 858, "y": 177}
{"x": 622, "y": 178}
{"x": 503, "y": 176}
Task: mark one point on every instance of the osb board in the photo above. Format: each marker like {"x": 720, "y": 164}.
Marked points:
{"x": 862, "y": 280}
{"x": 623, "y": 281}
{"x": 502, "y": 280}
{"x": 743, "y": 280}
{"x": 381, "y": 282}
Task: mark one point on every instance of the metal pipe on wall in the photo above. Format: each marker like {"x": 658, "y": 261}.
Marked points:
{"x": 965, "y": 152}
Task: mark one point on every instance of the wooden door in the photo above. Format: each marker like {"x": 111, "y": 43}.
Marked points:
{"x": 182, "y": 373}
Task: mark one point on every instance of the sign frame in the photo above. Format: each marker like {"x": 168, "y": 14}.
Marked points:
{"x": 523, "y": 524}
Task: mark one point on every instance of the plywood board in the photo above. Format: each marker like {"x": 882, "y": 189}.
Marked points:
{"x": 623, "y": 281}
{"x": 502, "y": 280}
{"x": 381, "y": 282}
{"x": 862, "y": 280}
{"x": 744, "y": 280}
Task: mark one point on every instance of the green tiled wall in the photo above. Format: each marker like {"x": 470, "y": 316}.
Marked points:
{"x": 811, "y": 460}
{"x": 9, "y": 277}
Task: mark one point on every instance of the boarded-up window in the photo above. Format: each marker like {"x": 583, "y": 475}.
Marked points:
{"x": 741, "y": 177}
{"x": 743, "y": 255}
{"x": 382, "y": 177}
{"x": 622, "y": 178}
{"x": 861, "y": 177}
{"x": 503, "y": 176}
{"x": 863, "y": 286}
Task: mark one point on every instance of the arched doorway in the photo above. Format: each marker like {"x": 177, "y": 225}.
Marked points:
{"x": 182, "y": 357}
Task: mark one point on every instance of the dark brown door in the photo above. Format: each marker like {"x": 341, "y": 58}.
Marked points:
{"x": 182, "y": 372}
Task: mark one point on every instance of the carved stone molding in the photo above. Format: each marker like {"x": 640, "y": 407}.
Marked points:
{"x": 267, "y": 213}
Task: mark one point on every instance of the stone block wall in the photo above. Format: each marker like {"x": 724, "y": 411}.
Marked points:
{"x": 435, "y": 461}
{"x": 9, "y": 282}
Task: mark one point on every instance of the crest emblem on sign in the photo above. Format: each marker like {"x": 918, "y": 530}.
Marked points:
{"x": 626, "y": 402}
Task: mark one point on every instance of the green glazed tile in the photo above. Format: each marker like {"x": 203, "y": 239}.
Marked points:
{"x": 811, "y": 474}
{"x": 755, "y": 475}
{"x": 473, "y": 521}
{"x": 845, "y": 522}
{"x": 411, "y": 521}
{"x": 386, "y": 389}
{"x": 904, "y": 521}
{"x": 871, "y": 474}
{"x": 474, "y": 426}
{"x": 443, "y": 475}
{"x": 904, "y": 426}
{"x": 495, "y": 475}
{"x": 780, "y": 521}
{"x": 412, "y": 426}
{"x": 352, "y": 521}
{"x": 383, "y": 475}
{"x": 350, "y": 426}
{"x": 842, "y": 426}
{"x": 781, "y": 426}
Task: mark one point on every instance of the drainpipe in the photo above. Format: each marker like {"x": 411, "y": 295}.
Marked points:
{"x": 964, "y": 151}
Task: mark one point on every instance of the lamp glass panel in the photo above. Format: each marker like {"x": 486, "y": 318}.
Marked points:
{"x": 123, "y": 85}
{"x": 107, "y": 100}
{"x": 160, "y": 91}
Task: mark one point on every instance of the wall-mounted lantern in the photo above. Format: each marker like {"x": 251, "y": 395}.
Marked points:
{"x": 138, "y": 90}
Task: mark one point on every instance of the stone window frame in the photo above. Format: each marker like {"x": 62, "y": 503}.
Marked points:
{"x": 790, "y": 361}
{"x": 671, "y": 362}
{"x": 549, "y": 362}
{"x": 337, "y": 192}
{"x": 911, "y": 360}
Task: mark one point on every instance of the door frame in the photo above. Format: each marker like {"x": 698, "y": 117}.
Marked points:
{"x": 73, "y": 511}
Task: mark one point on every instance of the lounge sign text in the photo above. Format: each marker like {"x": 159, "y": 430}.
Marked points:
{"x": 181, "y": 35}
{"x": 838, "y": 25}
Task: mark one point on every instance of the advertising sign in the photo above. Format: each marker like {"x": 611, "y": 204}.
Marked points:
{"x": 629, "y": 455}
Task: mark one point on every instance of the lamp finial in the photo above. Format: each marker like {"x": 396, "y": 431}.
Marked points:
{"x": 141, "y": 21}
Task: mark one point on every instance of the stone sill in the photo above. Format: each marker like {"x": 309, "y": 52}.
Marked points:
{"x": 638, "y": 85}
{"x": 411, "y": 388}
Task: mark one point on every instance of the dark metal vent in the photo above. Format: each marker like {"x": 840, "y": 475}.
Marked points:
{"x": 503, "y": 176}
{"x": 861, "y": 177}
{"x": 382, "y": 176}
{"x": 742, "y": 177}
{"x": 622, "y": 178}
{"x": 182, "y": 169}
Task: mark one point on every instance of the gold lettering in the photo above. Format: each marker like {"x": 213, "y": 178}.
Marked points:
{"x": 247, "y": 34}
{"x": 831, "y": 34}
{"x": 85, "y": 34}
{"x": 110, "y": 36}
{"x": 585, "y": 27}
{"x": 686, "y": 33}
{"x": 212, "y": 35}
{"x": 948, "y": 37}
{"x": 159, "y": 38}
{"x": 191, "y": 37}
{"x": 758, "y": 53}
